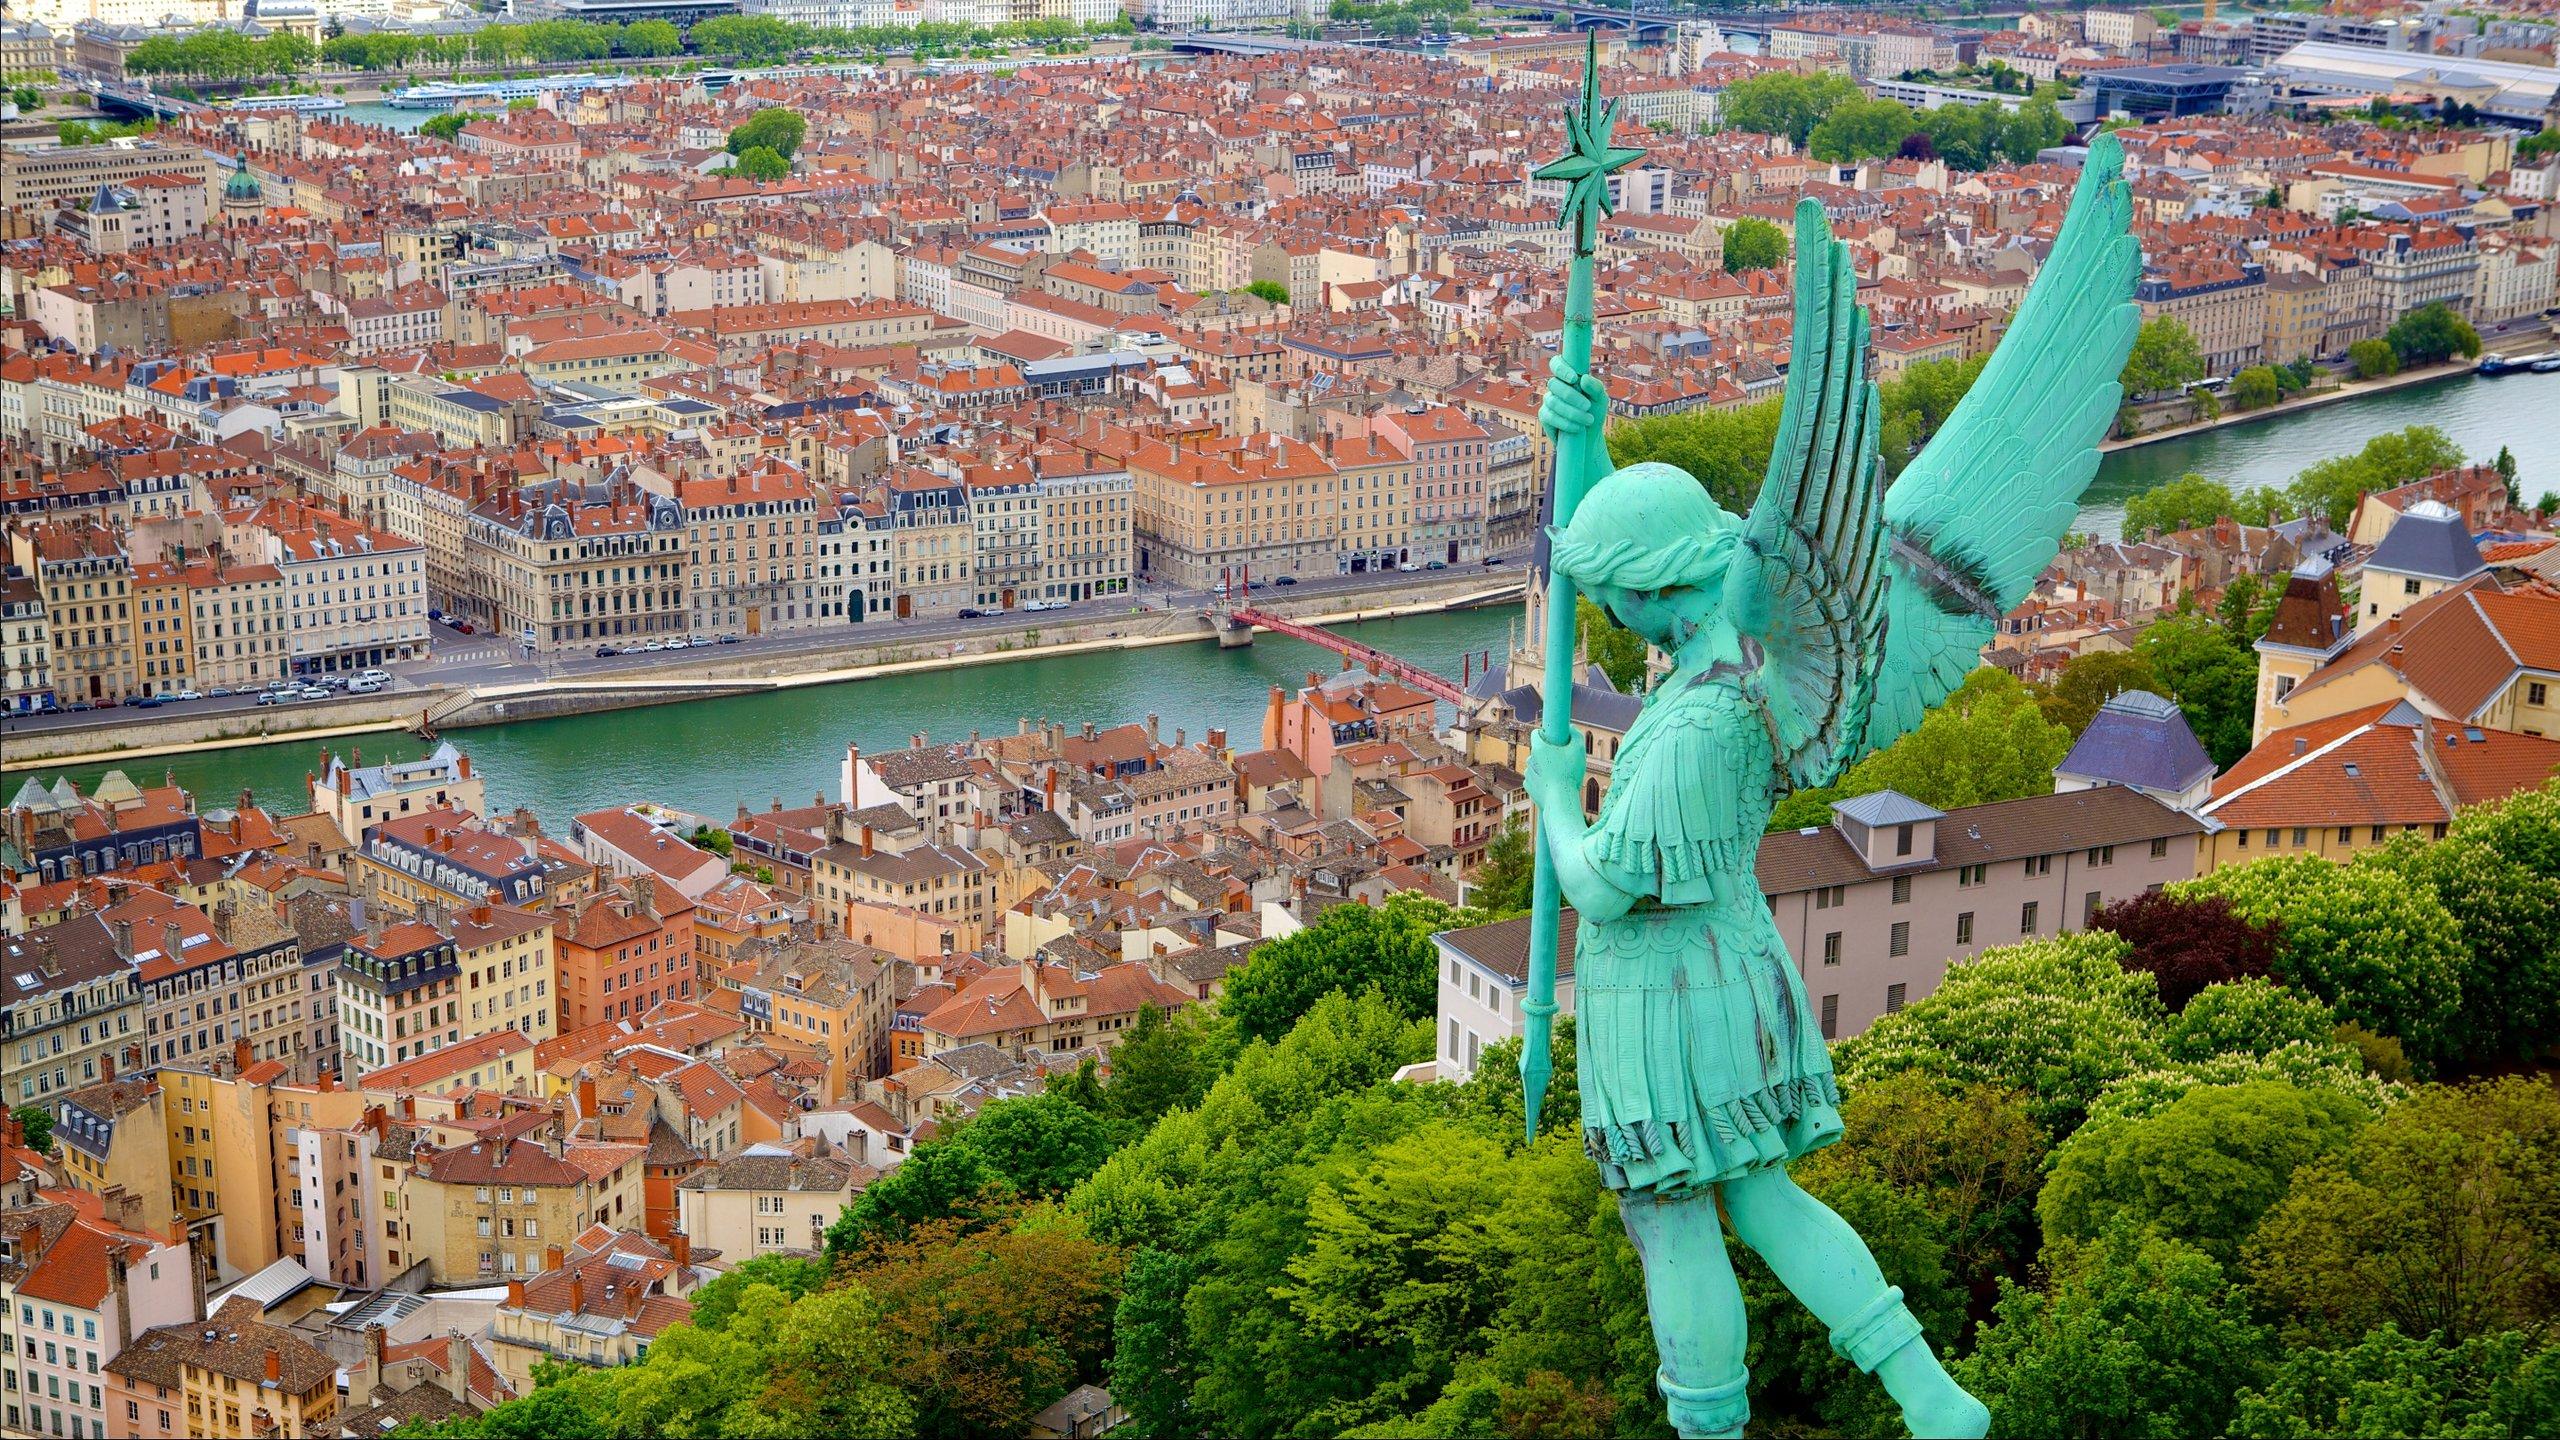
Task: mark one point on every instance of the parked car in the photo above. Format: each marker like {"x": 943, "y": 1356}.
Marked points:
{"x": 1285, "y": 580}
{"x": 1437, "y": 565}
{"x": 188, "y": 695}
{"x": 970, "y": 612}
{"x": 655, "y": 645}
{"x": 362, "y": 685}
{"x": 370, "y": 673}
{"x": 218, "y": 692}
{"x": 315, "y": 692}
{"x": 77, "y": 706}
{"x": 728, "y": 639}
{"x": 679, "y": 643}
{"x": 606, "y": 652}
{"x": 1491, "y": 561}
{"x": 271, "y": 697}
{"x": 146, "y": 702}
{"x": 1408, "y": 567}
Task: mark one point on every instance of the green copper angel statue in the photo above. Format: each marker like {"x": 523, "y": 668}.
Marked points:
{"x": 1801, "y": 637}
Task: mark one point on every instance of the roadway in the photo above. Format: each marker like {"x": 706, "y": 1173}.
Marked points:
{"x": 456, "y": 660}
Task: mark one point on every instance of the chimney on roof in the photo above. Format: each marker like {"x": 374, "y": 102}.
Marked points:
{"x": 515, "y": 1292}
{"x": 457, "y": 1367}
{"x": 680, "y": 1249}
{"x": 551, "y": 1257}
{"x": 123, "y": 932}
{"x": 275, "y": 1368}
{"x": 577, "y": 1293}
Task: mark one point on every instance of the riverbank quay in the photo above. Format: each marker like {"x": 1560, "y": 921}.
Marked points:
{"x": 2350, "y": 390}
{"x": 682, "y": 677}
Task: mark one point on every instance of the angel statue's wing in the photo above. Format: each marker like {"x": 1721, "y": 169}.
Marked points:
{"x": 1811, "y": 583}
{"x": 1980, "y": 512}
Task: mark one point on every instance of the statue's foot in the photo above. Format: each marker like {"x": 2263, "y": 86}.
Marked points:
{"x": 1934, "y": 1406}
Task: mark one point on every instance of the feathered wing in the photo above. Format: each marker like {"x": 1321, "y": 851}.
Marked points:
{"x": 1811, "y": 583}
{"x": 1981, "y": 511}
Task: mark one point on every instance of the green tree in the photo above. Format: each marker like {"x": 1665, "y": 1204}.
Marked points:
{"x": 2033, "y": 127}
{"x": 763, "y": 164}
{"x": 2441, "y": 1216}
{"x": 1502, "y": 883}
{"x": 2508, "y": 916}
{"x": 1989, "y": 741}
{"x": 1970, "y": 1154}
{"x": 1752, "y": 243}
{"x": 1151, "y": 1359}
{"x": 2431, "y": 335}
{"x": 2057, "y": 1020}
{"x": 716, "y": 1302}
{"x": 779, "y": 131}
{"x": 1618, "y": 651}
{"x": 1164, "y": 1062}
{"x": 2140, "y": 1336}
{"x": 2181, "y": 504}
{"x": 1861, "y": 130}
{"x": 2373, "y": 360}
{"x": 938, "y": 1183}
{"x": 833, "y": 1369}
{"x": 2389, "y": 1383}
{"x": 2201, "y": 1170}
{"x": 2088, "y": 681}
{"x": 1349, "y": 948}
{"x": 2333, "y": 486}
{"x": 1728, "y": 450}
{"x": 1785, "y": 103}
{"x": 1270, "y": 292}
{"x": 36, "y": 1122}
{"x": 989, "y": 1326}
{"x": 445, "y": 126}
{"x": 2213, "y": 679}
{"x": 2379, "y": 951}
{"x": 2255, "y": 388}
{"x": 1917, "y": 402}
{"x": 644, "y": 39}
{"x": 2247, "y": 1017}
{"x": 2523, "y": 828}
{"x": 2165, "y": 356}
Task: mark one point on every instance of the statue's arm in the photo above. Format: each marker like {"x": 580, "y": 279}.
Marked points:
{"x": 1555, "y": 787}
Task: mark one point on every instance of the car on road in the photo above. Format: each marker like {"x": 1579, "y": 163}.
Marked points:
{"x": 312, "y": 692}
{"x": 1437, "y": 565}
{"x": 971, "y": 613}
{"x": 370, "y": 673}
{"x": 655, "y": 645}
{"x": 188, "y": 695}
{"x": 1491, "y": 561}
{"x": 218, "y": 692}
{"x": 363, "y": 685}
{"x": 679, "y": 643}
{"x": 146, "y": 702}
{"x": 728, "y": 639}
{"x": 606, "y": 652}
{"x": 271, "y": 697}
{"x": 1285, "y": 580}
{"x": 1408, "y": 567}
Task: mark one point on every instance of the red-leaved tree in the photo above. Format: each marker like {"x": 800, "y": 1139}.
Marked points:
{"x": 2188, "y": 944}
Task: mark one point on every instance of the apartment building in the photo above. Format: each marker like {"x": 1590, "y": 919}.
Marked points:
{"x": 1004, "y": 515}
{"x": 507, "y": 1206}
{"x": 357, "y": 595}
{"x": 1049, "y": 1009}
{"x": 112, "y": 1139}
{"x": 935, "y": 543}
{"x": 948, "y": 882}
{"x": 211, "y": 983}
{"x": 2415, "y": 265}
{"x": 356, "y": 796}
{"x": 751, "y": 536}
{"x": 2223, "y": 304}
{"x": 443, "y": 858}
{"x": 26, "y": 647}
{"x": 597, "y": 1304}
{"x": 621, "y": 953}
{"x": 1084, "y": 522}
{"x": 769, "y": 1198}
{"x": 78, "y": 1022}
{"x": 42, "y": 180}
{"x": 563, "y": 567}
{"x": 399, "y": 987}
{"x": 77, "y": 1289}
{"x": 1451, "y": 458}
{"x": 84, "y": 584}
{"x": 1213, "y": 507}
{"x": 241, "y": 623}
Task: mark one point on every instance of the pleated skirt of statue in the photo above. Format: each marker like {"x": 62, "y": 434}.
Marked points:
{"x": 1697, "y": 1056}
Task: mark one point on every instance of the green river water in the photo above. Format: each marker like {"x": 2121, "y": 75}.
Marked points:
{"x": 708, "y": 756}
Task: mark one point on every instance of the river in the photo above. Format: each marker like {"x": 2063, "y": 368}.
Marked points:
{"x": 709, "y": 756}
{"x": 2521, "y": 412}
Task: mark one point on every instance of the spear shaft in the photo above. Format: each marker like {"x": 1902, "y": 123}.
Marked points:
{"x": 1579, "y": 455}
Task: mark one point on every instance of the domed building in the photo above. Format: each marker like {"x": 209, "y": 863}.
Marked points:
{"x": 244, "y": 200}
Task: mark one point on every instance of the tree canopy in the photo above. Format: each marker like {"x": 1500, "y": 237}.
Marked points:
{"x": 1751, "y": 243}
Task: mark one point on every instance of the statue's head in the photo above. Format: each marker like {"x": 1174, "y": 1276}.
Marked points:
{"x": 1650, "y": 546}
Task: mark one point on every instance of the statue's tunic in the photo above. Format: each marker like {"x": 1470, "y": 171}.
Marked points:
{"x": 1697, "y": 1055}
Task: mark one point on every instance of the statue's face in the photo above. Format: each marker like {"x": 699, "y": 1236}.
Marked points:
{"x": 1653, "y": 614}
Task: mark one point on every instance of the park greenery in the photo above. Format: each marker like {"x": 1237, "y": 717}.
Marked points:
{"x": 1751, "y": 243}
{"x": 2329, "y": 489}
{"x": 1831, "y": 119}
{"x": 215, "y": 54}
{"x": 1406, "y": 19}
{"x": 2168, "y": 1175}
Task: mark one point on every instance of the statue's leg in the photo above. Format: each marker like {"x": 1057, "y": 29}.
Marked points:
{"x": 1819, "y": 1258}
{"x": 1696, "y": 1307}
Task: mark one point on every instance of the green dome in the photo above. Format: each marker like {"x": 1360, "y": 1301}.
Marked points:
{"x": 244, "y": 186}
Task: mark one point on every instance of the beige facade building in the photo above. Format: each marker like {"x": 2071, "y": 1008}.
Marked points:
{"x": 506, "y": 1207}
{"x": 1215, "y": 507}
{"x": 1087, "y": 539}
{"x": 566, "y": 571}
{"x": 2222, "y": 304}
{"x": 769, "y": 1199}
{"x": 84, "y": 581}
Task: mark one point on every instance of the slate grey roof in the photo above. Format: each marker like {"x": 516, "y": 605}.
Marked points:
{"x": 2429, "y": 541}
{"x": 2142, "y": 740}
{"x": 1886, "y": 807}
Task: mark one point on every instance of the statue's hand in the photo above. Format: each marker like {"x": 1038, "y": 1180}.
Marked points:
{"x": 1556, "y": 773}
{"x": 1576, "y": 401}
